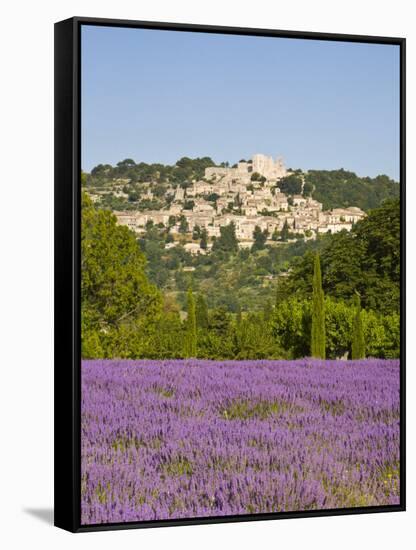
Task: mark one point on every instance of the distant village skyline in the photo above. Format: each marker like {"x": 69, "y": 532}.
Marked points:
{"x": 246, "y": 195}
{"x": 288, "y": 165}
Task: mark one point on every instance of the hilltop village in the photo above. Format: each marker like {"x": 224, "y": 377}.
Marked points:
{"x": 246, "y": 195}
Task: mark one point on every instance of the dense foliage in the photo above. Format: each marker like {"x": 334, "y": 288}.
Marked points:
{"x": 365, "y": 260}
{"x": 291, "y": 185}
{"x": 125, "y": 186}
{"x": 114, "y": 286}
{"x": 140, "y": 300}
{"x": 340, "y": 188}
{"x": 358, "y": 341}
{"x": 248, "y": 278}
{"x": 318, "y": 313}
{"x": 184, "y": 170}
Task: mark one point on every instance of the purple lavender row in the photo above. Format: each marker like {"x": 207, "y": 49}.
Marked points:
{"x": 177, "y": 439}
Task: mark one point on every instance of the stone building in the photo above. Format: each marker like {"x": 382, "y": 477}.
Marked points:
{"x": 267, "y": 167}
{"x": 243, "y": 202}
{"x": 262, "y": 164}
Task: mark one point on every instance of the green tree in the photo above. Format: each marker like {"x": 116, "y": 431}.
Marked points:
{"x": 212, "y": 197}
{"x": 84, "y": 180}
{"x": 307, "y": 189}
{"x": 166, "y": 341}
{"x": 253, "y": 339}
{"x": 91, "y": 345}
{"x": 201, "y": 312}
{"x": 275, "y": 234}
{"x": 381, "y": 334}
{"x": 190, "y": 336}
{"x": 358, "y": 343}
{"x": 196, "y": 233}
{"x": 101, "y": 170}
{"x": 291, "y": 327}
{"x": 340, "y": 189}
{"x": 115, "y": 290}
{"x": 204, "y": 239}
{"x": 172, "y": 221}
{"x": 126, "y": 163}
{"x": 285, "y": 233}
{"x": 281, "y": 294}
{"x": 133, "y": 196}
{"x": 260, "y": 238}
{"x": 219, "y": 321}
{"x": 227, "y": 241}
{"x": 291, "y": 185}
{"x": 364, "y": 260}
{"x": 183, "y": 225}
{"x": 318, "y": 313}
{"x": 338, "y": 327}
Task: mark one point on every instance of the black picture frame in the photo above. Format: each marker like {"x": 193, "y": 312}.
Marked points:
{"x": 67, "y": 269}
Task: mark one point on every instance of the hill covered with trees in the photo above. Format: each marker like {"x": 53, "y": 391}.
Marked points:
{"x": 333, "y": 188}
{"x": 184, "y": 170}
{"x": 340, "y": 188}
{"x": 364, "y": 261}
{"x": 140, "y": 300}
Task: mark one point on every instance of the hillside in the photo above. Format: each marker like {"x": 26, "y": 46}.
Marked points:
{"x": 365, "y": 260}
{"x": 340, "y": 189}
{"x": 250, "y": 303}
{"x": 127, "y": 186}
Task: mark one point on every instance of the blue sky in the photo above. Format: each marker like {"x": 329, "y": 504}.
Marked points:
{"x": 156, "y": 96}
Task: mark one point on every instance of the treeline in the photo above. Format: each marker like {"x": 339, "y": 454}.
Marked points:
{"x": 247, "y": 275}
{"x": 333, "y": 188}
{"x": 124, "y": 315}
{"x": 180, "y": 173}
{"x": 136, "y": 178}
{"x": 340, "y": 188}
{"x": 365, "y": 260}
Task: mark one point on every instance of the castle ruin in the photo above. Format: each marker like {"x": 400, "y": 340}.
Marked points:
{"x": 261, "y": 164}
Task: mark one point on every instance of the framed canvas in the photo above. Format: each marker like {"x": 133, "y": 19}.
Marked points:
{"x": 229, "y": 274}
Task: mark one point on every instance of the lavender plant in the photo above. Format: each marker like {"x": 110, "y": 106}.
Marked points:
{"x": 193, "y": 438}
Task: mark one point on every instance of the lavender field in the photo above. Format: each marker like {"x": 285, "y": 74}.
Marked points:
{"x": 194, "y": 438}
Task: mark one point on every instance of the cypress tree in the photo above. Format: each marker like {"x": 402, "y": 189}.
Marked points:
{"x": 190, "y": 337}
{"x": 358, "y": 343}
{"x": 318, "y": 313}
{"x": 284, "y": 235}
{"x": 260, "y": 238}
{"x": 201, "y": 312}
{"x": 204, "y": 239}
{"x": 236, "y": 332}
